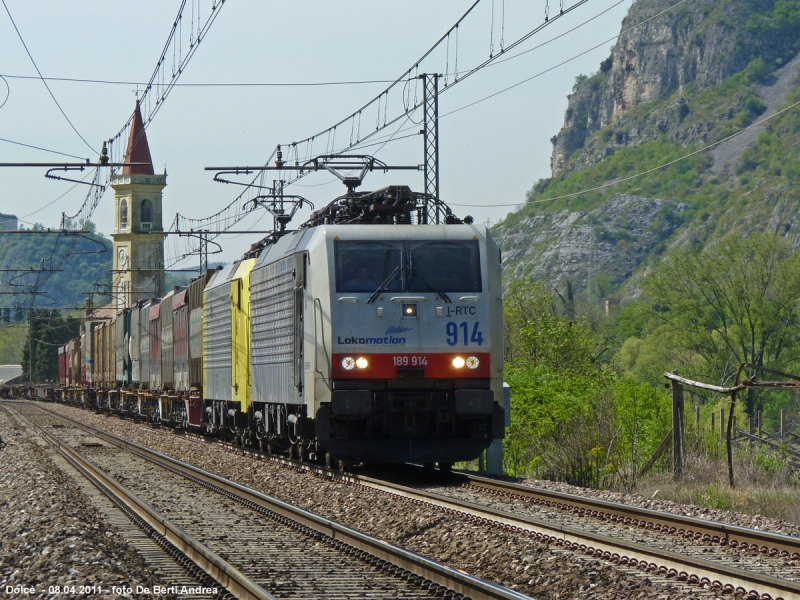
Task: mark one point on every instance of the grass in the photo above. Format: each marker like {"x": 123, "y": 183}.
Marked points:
{"x": 763, "y": 486}
{"x": 12, "y": 339}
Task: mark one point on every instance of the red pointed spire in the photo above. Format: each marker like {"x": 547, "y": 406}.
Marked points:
{"x": 138, "y": 149}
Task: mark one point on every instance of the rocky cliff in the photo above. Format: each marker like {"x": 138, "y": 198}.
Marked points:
{"x": 665, "y": 47}
{"x": 682, "y": 75}
{"x": 598, "y": 249}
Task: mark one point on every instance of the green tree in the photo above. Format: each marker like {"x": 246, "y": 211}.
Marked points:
{"x": 47, "y": 331}
{"x": 733, "y": 302}
{"x": 557, "y": 388}
{"x": 572, "y": 417}
{"x": 536, "y": 336}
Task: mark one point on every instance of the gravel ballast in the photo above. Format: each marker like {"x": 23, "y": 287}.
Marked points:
{"x": 721, "y": 516}
{"x": 50, "y": 533}
{"x": 506, "y": 558}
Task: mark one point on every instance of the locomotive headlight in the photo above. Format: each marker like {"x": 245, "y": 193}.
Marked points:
{"x": 458, "y": 362}
{"x": 362, "y": 362}
{"x": 473, "y": 362}
{"x": 409, "y": 310}
{"x": 348, "y": 363}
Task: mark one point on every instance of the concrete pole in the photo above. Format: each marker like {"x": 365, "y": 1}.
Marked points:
{"x": 494, "y": 453}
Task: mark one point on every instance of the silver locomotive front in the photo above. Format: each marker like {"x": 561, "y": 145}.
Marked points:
{"x": 406, "y": 341}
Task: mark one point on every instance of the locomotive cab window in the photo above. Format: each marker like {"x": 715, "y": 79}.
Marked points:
{"x": 364, "y": 266}
{"x": 452, "y": 266}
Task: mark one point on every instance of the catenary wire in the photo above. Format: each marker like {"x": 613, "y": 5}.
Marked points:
{"x": 539, "y": 74}
{"x": 623, "y": 180}
{"x": 221, "y": 84}
{"x": 8, "y": 91}
{"x": 497, "y": 61}
{"x": 42, "y": 78}
{"x": 42, "y": 149}
{"x": 559, "y": 36}
{"x": 54, "y": 201}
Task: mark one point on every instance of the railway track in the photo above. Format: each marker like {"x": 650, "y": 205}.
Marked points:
{"x": 718, "y": 557}
{"x": 252, "y": 545}
{"x": 729, "y": 559}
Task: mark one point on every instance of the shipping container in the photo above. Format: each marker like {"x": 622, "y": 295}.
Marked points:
{"x": 122, "y": 335}
{"x": 144, "y": 343}
{"x": 195, "y": 301}
{"x": 155, "y": 345}
{"x": 167, "y": 342}
{"x": 74, "y": 362}
{"x": 180, "y": 334}
{"x": 88, "y": 339}
{"x": 134, "y": 345}
{"x": 62, "y": 364}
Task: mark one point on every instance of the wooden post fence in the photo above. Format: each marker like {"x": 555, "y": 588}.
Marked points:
{"x": 741, "y": 382}
{"x": 677, "y": 428}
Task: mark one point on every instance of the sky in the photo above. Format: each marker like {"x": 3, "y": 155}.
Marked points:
{"x": 491, "y": 153}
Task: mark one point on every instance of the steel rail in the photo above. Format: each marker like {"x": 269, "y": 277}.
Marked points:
{"x": 463, "y": 583}
{"x": 681, "y": 566}
{"x": 691, "y": 569}
{"x": 733, "y": 535}
{"x": 228, "y": 576}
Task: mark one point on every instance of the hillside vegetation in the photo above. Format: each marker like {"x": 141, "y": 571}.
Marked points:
{"x": 652, "y": 248}
{"x": 609, "y": 141}
{"x": 88, "y": 265}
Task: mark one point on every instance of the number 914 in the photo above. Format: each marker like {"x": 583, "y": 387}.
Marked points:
{"x": 454, "y": 329}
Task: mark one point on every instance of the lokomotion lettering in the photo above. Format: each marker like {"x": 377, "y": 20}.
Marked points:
{"x": 388, "y": 338}
{"x": 371, "y": 341}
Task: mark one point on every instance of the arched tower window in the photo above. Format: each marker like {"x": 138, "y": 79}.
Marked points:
{"x": 123, "y": 214}
{"x": 147, "y": 211}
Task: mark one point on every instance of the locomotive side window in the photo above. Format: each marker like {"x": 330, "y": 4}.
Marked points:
{"x": 446, "y": 266}
{"x": 363, "y": 266}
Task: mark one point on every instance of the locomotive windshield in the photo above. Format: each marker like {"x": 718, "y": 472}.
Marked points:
{"x": 447, "y": 266}
{"x": 363, "y": 266}
{"x": 427, "y": 266}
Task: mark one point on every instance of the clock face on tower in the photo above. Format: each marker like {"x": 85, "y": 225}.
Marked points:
{"x": 122, "y": 258}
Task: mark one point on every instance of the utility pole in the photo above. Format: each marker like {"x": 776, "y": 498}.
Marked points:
{"x": 430, "y": 132}
{"x": 30, "y": 343}
{"x": 203, "y": 250}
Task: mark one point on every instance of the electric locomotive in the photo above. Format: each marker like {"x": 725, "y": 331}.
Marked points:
{"x": 366, "y": 335}
{"x": 371, "y": 338}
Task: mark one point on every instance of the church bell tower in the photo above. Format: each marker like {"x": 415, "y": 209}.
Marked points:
{"x": 138, "y": 232}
